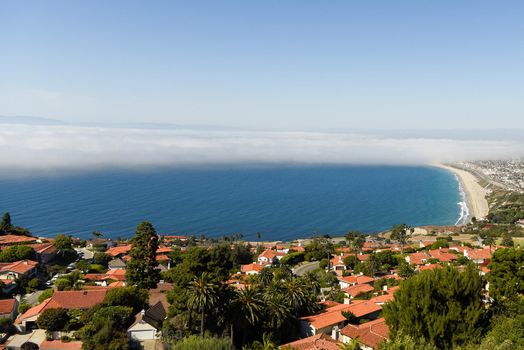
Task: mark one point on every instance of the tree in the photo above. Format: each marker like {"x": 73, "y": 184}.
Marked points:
{"x": 507, "y": 240}
{"x": 142, "y": 269}
{"x": 401, "y": 234}
{"x": 53, "y": 320}
{"x": 248, "y": 304}
{"x": 97, "y": 234}
{"x": 355, "y": 241}
{"x": 506, "y": 276}
{"x": 63, "y": 242}
{"x": 204, "y": 295}
{"x": 16, "y": 253}
{"x": 406, "y": 270}
{"x": 131, "y": 296}
{"x": 6, "y": 225}
{"x": 100, "y": 258}
{"x": 406, "y": 342}
{"x": 443, "y": 306}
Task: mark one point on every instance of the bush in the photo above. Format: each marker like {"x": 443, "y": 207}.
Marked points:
{"x": 101, "y": 258}
{"x": 46, "y": 294}
{"x": 292, "y": 259}
{"x": 23, "y": 307}
{"x": 53, "y": 320}
{"x": 16, "y": 253}
{"x": 196, "y": 343}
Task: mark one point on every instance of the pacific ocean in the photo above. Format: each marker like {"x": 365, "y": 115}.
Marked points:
{"x": 280, "y": 202}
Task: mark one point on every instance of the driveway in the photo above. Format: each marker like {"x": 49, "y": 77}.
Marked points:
{"x": 301, "y": 270}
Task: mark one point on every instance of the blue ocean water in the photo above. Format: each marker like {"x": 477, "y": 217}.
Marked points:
{"x": 282, "y": 203}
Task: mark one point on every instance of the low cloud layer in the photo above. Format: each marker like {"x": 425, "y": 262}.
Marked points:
{"x": 55, "y": 147}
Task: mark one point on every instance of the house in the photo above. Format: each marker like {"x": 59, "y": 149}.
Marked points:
{"x": 101, "y": 279}
{"x": 17, "y": 269}
{"x": 45, "y": 252}
{"x": 347, "y": 281}
{"x": 70, "y": 299}
{"x": 369, "y": 335}
{"x": 353, "y": 291}
{"x": 147, "y": 323}
{"x": 8, "y": 308}
{"x": 481, "y": 256}
{"x": 116, "y": 264}
{"x": 337, "y": 262}
{"x": 119, "y": 250}
{"x": 325, "y": 321}
{"x": 314, "y": 342}
{"x": 419, "y": 258}
{"x": 6, "y": 240}
{"x": 443, "y": 255}
{"x": 251, "y": 269}
{"x": 268, "y": 256}
{"x": 37, "y": 340}
{"x": 428, "y": 267}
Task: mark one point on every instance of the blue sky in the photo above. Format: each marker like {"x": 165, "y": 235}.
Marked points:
{"x": 279, "y": 65}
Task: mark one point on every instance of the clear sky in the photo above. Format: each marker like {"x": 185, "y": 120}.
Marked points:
{"x": 266, "y": 64}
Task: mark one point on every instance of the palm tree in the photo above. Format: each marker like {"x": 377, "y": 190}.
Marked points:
{"x": 356, "y": 241}
{"x": 258, "y": 234}
{"x": 295, "y": 294}
{"x": 247, "y": 304}
{"x": 204, "y": 295}
{"x": 311, "y": 280}
{"x": 265, "y": 277}
{"x": 401, "y": 234}
{"x": 97, "y": 234}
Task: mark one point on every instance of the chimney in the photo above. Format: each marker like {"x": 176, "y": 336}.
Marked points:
{"x": 335, "y": 332}
{"x": 85, "y": 292}
{"x": 385, "y": 288}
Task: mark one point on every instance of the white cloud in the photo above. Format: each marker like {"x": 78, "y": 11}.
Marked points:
{"x": 78, "y": 147}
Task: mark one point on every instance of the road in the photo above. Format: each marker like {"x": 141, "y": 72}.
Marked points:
{"x": 301, "y": 270}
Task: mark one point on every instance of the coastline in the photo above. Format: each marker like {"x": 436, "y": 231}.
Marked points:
{"x": 475, "y": 194}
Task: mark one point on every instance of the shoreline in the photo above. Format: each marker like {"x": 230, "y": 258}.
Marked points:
{"x": 474, "y": 193}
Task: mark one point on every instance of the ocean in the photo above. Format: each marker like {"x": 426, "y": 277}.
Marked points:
{"x": 280, "y": 202}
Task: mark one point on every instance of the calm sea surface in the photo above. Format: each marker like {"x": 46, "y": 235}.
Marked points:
{"x": 280, "y": 202}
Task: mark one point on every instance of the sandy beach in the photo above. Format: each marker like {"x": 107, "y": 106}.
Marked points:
{"x": 475, "y": 193}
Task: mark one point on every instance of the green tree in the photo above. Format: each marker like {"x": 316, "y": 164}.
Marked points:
{"x": 401, "y": 234}
{"x": 16, "y": 253}
{"x": 63, "y": 242}
{"x": 506, "y": 276}
{"x": 406, "y": 342}
{"x": 100, "y": 258}
{"x": 131, "y": 296}
{"x": 53, "y": 320}
{"x": 507, "y": 240}
{"x": 5, "y": 225}
{"x": 443, "y": 306}
{"x": 355, "y": 241}
{"x": 203, "y": 296}
{"x": 142, "y": 269}
{"x": 248, "y": 305}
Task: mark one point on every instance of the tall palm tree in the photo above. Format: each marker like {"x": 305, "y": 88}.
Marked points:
{"x": 265, "y": 277}
{"x": 295, "y": 293}
{"x": 204, "y": 295}
{"x": 311, "y": 280}
{"x": 248, "y": 306}
{"x": 355, "y": 241}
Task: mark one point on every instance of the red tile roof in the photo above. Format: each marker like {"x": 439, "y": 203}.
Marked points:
{"x": 76, "y": 299}
{"x": 429, "y": 267}
{"x": 15, "y": 239}
{"x": 251, "y": 267}
{"x": 357, "y": 279}
{"x": 419, "y": 258}
{"x": 270, "y": 254}
{"x": 358, "y": 289}
{"x": 316, "y": 342}
{"x": 478, "y": 254}
{"x": 442, "y": 255}
{"x": 370, "y": 333}
{"x": 35, "y": 310}
{"x": 60, "y": 345}
{"x": 118, "y": 250}
{"x": 43, "y": 247}
{"x": 7, "y": 306}
{"x": 325, "y": 319}
{"x": 362, "y": 257}
{"x": 21, "y": 267}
